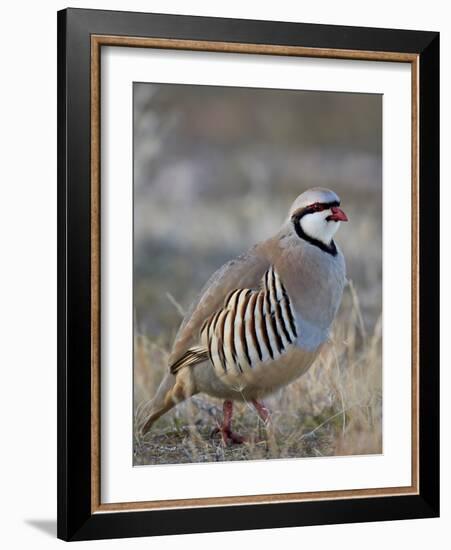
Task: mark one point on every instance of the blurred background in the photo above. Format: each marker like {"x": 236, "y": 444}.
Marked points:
{"x": 216, "y": 170}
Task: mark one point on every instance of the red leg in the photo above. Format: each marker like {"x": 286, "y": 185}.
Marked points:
{"x": 262, "y": 410}
{"x": 226, "y": 429}
{"x": 227, "y": 409}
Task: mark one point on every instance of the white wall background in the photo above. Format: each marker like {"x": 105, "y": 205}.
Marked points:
{"x": 28, "y": 271}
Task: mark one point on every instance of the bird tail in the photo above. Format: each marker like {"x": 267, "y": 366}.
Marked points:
{"x": 161, "y": 403}
{"x": 175, "y": 387}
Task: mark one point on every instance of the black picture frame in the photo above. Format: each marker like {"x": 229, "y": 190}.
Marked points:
{"x": 76, "y": 521}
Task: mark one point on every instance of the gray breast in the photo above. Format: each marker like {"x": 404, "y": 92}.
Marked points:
{"x": 316, "y": 290}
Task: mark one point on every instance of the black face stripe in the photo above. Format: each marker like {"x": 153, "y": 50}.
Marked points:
{"x": 310, "y": 209}
{"x": 330, "y": 249}
{"x": 326, "y": 205}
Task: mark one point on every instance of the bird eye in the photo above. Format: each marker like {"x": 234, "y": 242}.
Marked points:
{"x": 316, "y": 207}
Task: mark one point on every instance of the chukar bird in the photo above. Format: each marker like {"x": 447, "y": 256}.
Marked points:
{"x": 261, "y": 320}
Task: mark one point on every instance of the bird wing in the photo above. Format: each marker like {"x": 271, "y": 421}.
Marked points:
{"x": 245, "y": 271}
{"x": 243, "y": 319}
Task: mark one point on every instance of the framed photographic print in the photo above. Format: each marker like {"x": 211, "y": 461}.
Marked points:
{"x": 248, "y": 274}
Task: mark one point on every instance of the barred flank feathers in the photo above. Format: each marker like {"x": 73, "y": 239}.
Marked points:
{"x": 253, "y": 326}
{"x": 191, "y": 357}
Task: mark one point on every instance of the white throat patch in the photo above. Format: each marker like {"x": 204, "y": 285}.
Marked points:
{"x": 317, "y": 227}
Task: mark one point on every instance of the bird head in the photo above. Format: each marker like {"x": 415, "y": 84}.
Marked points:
{"x": 316, "y": 216}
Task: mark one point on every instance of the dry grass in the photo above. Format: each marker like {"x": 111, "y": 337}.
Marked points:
{"x": 335, "y": 409}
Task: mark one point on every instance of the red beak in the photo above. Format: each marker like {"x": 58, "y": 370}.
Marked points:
{"x": 337, "y": 215}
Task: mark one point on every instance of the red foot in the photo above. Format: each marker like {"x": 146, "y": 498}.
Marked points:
{"x": 229, "y": 437}
{"x": 226, "y": 429}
